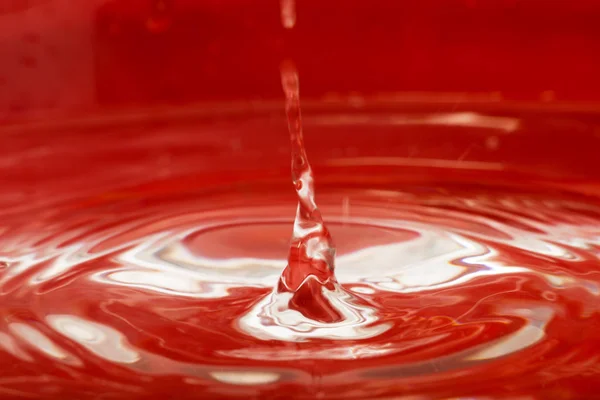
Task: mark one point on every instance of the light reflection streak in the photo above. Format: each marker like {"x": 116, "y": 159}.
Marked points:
{"x": 462, "y": 119}
{"x": 245, "y": 377}
{"x": 103, "y": 341}
{"x": 42, "y": 343}
{"x": 533, "y": 332}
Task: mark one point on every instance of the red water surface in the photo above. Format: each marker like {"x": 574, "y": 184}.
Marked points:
{"x": 87, "y": 313}
{"x": 471, "y": 118}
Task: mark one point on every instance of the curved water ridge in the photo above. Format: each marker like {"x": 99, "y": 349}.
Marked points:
{"x": 403, "y": 247}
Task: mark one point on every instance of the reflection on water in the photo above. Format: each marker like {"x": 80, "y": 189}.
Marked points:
{"x": 152, "y": 274}
{"x": 102, "y": 341}
{"x": 441, "y": 283}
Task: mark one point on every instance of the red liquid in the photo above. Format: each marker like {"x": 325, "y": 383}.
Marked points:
{"x": 139, "y": 253}
{"x": 146, "y": 276}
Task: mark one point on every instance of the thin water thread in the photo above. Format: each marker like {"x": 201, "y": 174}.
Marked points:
{"x": 312, "y": 252}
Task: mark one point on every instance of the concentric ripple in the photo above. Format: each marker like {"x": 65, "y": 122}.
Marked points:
{"x": 446, "y": 284}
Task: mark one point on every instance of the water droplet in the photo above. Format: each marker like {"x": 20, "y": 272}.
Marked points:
{"x": 288, "y": 13}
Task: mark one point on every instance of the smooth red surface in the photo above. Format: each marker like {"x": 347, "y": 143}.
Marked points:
{"x": 139, "y": 52}
{"x": 517, "y": 48}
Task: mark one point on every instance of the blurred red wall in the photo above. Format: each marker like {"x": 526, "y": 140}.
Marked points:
{"x": 63, "y": 55}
